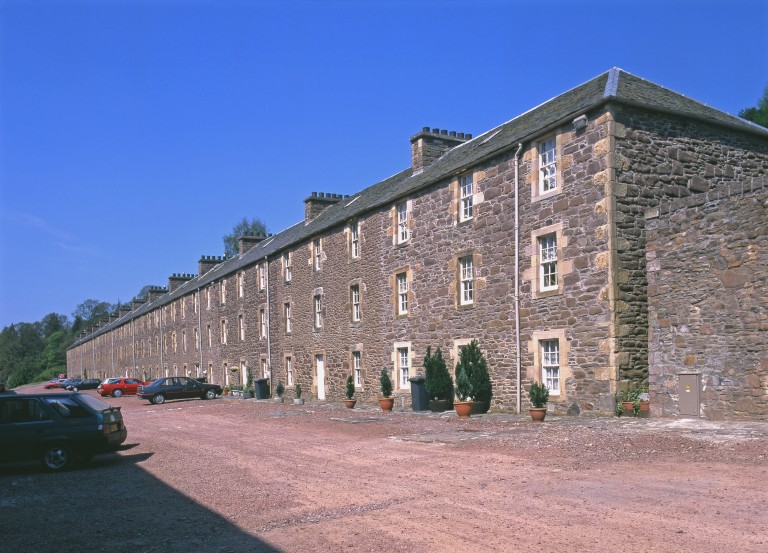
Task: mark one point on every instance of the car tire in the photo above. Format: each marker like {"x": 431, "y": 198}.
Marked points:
{"x": 75, "y": 389}
{"x": 210, "y": 394}
{"x": 117, "y": 393}
{"x": 158, "y": 399}
{"x": 57, "y": 457}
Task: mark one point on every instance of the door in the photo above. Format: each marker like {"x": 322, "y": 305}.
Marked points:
{"x": 320, "y": 376}
{"x": 689, "y": 389}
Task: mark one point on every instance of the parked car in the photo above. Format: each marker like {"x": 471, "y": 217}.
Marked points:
{"x": 58, "y": 429}
{"x": 54, "y": 383}
{"x": 177, "y": 387}
{"x": 87, "y": 384}
{"x": 117, "y": 387}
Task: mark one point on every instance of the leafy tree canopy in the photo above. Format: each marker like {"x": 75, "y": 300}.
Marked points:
{"x": 758, "y": 114}
{"x": 253, "y": 226}
{"x": 91, "y": 311}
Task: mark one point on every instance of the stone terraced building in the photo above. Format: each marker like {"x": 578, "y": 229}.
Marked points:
{"x": 615, "y": 234}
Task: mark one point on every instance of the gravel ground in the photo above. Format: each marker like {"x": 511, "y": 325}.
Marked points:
{"x": 235, "y": 475}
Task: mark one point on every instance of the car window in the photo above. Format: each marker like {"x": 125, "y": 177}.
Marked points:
{"x": 113, "y": 381}
{"x": 14, "y": 410}
{"x": 168, "y": 382}
{"x": 94, "y": 403}
{"x": 184, "y": 381}
{"x": 131, "y": 381}
{"x": 68, "y": 407}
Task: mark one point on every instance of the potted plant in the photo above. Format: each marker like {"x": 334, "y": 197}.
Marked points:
{"x": 628, "y": 398}
{"x": 237, "y": 391}
{"x": 643, "y": 408}
{"x": 349, "y": 402}
{"x": 472, "y": 361}
{"x": 387, "y": 401}
{"x": 298, "y": 400}
{"x": 248, "y": 391}
{"x": 539, "y": 396}
{"x": 226, "y": 390}
{"x": 280, "y": 390}
{"x": 438, "y": 382}
{"x": 463, "y": 390}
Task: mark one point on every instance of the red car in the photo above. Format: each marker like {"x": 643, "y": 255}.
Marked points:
{"x": 116, "y": 387}
{"x": 54, "y": 383}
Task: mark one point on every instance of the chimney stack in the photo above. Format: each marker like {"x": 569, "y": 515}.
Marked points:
{"x": 429, "y": 145}
{"x": 248, "y": 241}
{"x": 176, "y": 280}
{"x": 208, "y": 262}
{"x": 155, "y": 292}
{"x": 315, "y": 204}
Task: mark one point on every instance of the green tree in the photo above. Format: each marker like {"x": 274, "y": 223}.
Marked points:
{"x": 91, "y": 311}
{"x": 255, "y": 226}
{"x": 472, "y": 362}
{"x": 758, "y": 114}
{"x": 437, "y": 379}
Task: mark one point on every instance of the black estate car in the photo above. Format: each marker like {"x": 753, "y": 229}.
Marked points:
{"x": 177, "y": 387}
{"x": 58, "y": 428}
{"x": 87, "y": 384}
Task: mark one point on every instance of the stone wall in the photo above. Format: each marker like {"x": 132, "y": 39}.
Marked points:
{"x": 660, "y": 157}
{"x": 708, "y": 298}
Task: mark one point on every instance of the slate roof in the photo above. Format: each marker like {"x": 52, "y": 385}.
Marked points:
{"x": 615, "y": 85}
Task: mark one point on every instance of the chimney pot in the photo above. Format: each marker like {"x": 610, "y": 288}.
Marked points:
{"x": 468, "y": 136}
{"x": 425, "y": 129}
{"x": 444, "y": 132}
{"x": 452, "y": 133}
{"x": 435, "y": 131}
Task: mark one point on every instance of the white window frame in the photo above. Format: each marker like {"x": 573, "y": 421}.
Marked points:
{"x": 550, "y": 365}
{"x": 318, "y": 301}
{"x": 183, "y": 308}
{"x": 357, "y": 368}
{"x": 287, "y": 314}
{"x": 547, "y": 151}
{"x": 548, "y": 262}
{"x": 197, "y": 340}
{"x": 289, "y": 370}
{"x": 355, "y": 298}
{"x": 223, "y": 290}
{"x": 224, "y": 335}
{"x": 467, "y": 278}
{"x": 241, "y": 284}
{"x": 466, "y": 197}
{"x": 354, "y": 236}
{"x": 403, "y": 232}
{"x": 241, "y": 327}
{"x": 196, "y": 302}
{"x": 403, "y": 367}
{"x": 287, "y": 267}
{"x": 402, "y": 293}
{"x": 317, "y": 248}
{"x": 262, "y": 323}
{"x": 262, "y": 277}
{"x": 210, "y": 336}
{"x": 184, "y": 340}
{"x": 264, "y": 369}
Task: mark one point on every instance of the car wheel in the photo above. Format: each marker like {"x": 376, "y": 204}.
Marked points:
{"x": 75, "y": 389}
{"x": 57, "y": 457}
{"x": 158, "y": 399}
{"x": 210, "y": 394}
{"x": 117, "y": 393}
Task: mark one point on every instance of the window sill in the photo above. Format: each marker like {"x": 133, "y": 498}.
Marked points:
{"x": 548, "y": 293}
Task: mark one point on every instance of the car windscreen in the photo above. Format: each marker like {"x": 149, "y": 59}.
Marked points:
{"x": 94, "y": 403}
{"x": 68, "y": 408}
{"x": 112, "y": 381}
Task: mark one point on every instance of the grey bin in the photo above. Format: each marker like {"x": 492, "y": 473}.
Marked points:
{"x": 261, "y": 386}
{"x": 419, "y": 397}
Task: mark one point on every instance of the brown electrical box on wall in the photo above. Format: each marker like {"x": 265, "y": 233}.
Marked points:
{"x": 689, "y": 386}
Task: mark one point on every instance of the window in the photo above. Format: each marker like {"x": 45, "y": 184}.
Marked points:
{"x": 223, "y": 331}
{"x": 287, "y": 267}
{"x": 197, "y": 301}
{"x": 184, "y": 340}
{"x": 354, "y": 237}
{"x": 548, "y": 262}
{"x": 264, "y": 369}
{"x": 467, "y": 276}
{"x": 173, "y": 341}
{"x": 316, "y": 248}
{"x": 355, "y": 293}
{"x": 403, "y": 366}
{"x": 197, "y": 340}
{"x": 466, "y": 192}
{"x": 262, "y": 324}
{"x": 241, "y": 284}
{"x": 402, "y": 294}
{"x": 223, "y": 290}
{"x": 15, "y": 409}
{"x": 550, "y": 365}
{"x": 318, "y": 311}
{"x": 288, "y": 322}
{"x": 403, "y": 234}
{"x": 289, "y": 370}
{"x": 357, "y": 369}
{"x": 241, "y": 327}
{"x": 183, "y": 308}
{"x": 547, "y": 165}
{"x": 208, "y": 297}
{"x": 262, "y": 277}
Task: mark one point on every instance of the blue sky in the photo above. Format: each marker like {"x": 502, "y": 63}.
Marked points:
{"x": 134, "y": 135}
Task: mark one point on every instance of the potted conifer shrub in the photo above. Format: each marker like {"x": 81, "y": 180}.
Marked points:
{"x": 280, "y": 390}
{"x": 387, "y": 401}
{"x": 438, "y": 382}
{"x": 539, "y": 396}
{"x": 298, "y": 400}
{"x": 248, "y": 391}
{"x": 463, "y": 406}
{"x": 472, "y": 361}
{"x": 350, "y": 401}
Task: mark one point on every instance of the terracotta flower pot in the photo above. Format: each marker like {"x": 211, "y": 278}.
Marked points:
{"x": 386, "y": 403}
{"x": 627, "y": 408}
{"x": 538, "y": 413}
{"x": 645, "y": 409}
{"x": 350, "y": 403}
{"x": 463, "y": 409}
